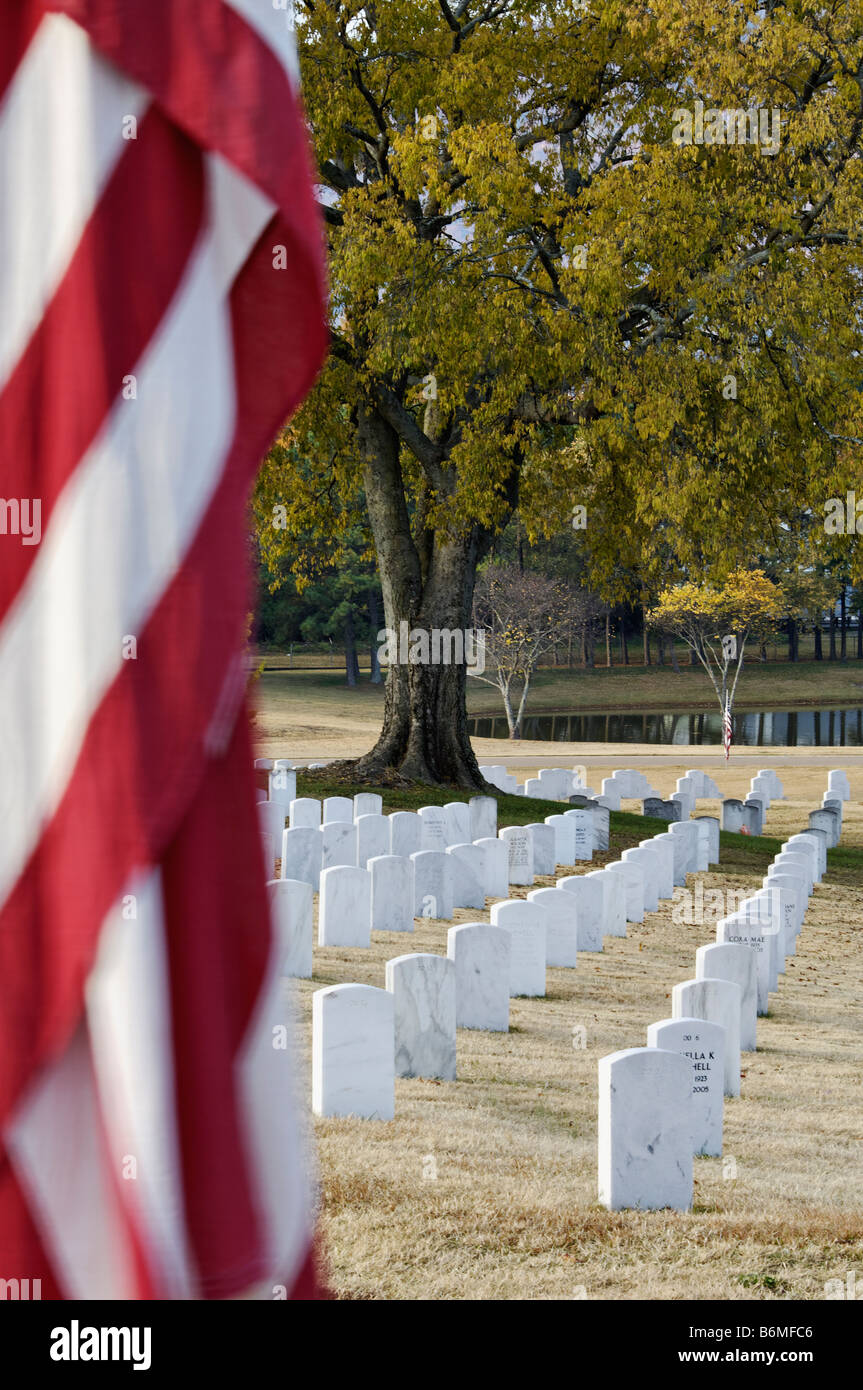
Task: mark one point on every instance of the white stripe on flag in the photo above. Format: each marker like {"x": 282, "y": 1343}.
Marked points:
{"x": 275, "y": 25}
{"x": 55, "y": 1146}
{"x": 128, "y": 1009}
{"x": 61, "y": 132}
{"x": 123, "y": 524}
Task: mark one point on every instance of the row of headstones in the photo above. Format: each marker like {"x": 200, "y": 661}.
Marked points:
{"x": 362, "y": 1037}
{"x": 391, "y": 891}
{"x": 466, "y": 832}
{"x": 662, "y": 1104}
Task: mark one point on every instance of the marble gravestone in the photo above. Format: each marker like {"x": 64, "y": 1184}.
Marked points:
{"x": 733, "y": 961}
{"x": 663, "y": 847}
{"x": 345, "y": 907}
{"x": 648, "y": 863}
{"x": 291, "y": 911}
{"x": 588, "y": 894}
{"x": 561, "y": 937}
{"x": 368, "y": 804}
{"x": 305, "y": 812}
{"x": 423, "y": 989}
{"x": 543, "y": 841}
{"x": 373, "y": 833}
{"x": 405, "y": 833}
{"x": 353, "y": 1051}
{"x": 338, "y": 843}
{"x": 458, "y": 823}
{"x": 496, "y": 866}
{"x": 468, "y": 875}
{"x": 301, "y": 855}
{"x": 585, "y": 824}
{"x": 703, "y": 1044}
{"x": 483, "y": 818}
{"x": 519, "y": 843}
{"x": 481, "y": 955}
{"x": 737, "y": 930}
{"x": 564, "y": 838}
{"x": 732, "y": 814}
{"x": 645, "y": 1139}
{"x": 392, "y": 879}
{"x": 716, "y": 1001}
{"x": 283, "y": 786}
{"x": 338, "y": 808}
{"x": 271, "y": 818}
{"x": 433, "y": 881}
{"x": 613, "y": 901}
{"x": 268, "y": 846}
{"x": 527, "y": 926}
{"x": 633, "y": 878}
{"x": 434, "y": 828}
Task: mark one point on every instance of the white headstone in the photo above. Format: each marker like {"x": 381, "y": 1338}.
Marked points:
{"x": 496, "y": 866}
{"x": 367, "y": 804}
{"x": 740, "y": 931}
{"x": 645, "y": 1139}
{"x": 589, "y": 900}
{"x": 268, "y": 845}
{"x": 732, "y": 814}
{"x": 373, "y": 837}
{"x": 542, "y": 835}
{"x": 712, "y": 823}
{"x": 613, "y": 888}
{"x": 526, "y": 924}
{"x": 423, "y": 990}
{"x": 483, "y": 818}
{"x": 663, "y": 847}
{"x": 736, "y": 962}
{"x": 481, "y": 955}
{"x": 283, "y": 786}
{"x": 345, "y": 907}
{"x": 405, "y": 833}
{"x": 519, "y": 843}
{"x": 392, "y": 879}
{"x": 305, "y": 812}
{"x": 561, "y": 936}
{"x": 648, "y": 862}
{"x": 271, "y": 818}
{"x": 301, "y": 855}
{"x": 291, "y": 910}
{"x": 838, "y": 784}
{"x": 633, "y": 878}
{"x": 586, "y": 825}
{"x": 264, "y": 764}
{"x": 434, "y": 829}
{"x": 458, "y": 822}
{"x": 703, "y": 1044}
{"x": 717, "y": 1001}
{"x": 564, "y": 838}
{"x": 353, "y": 1051}
{"x": 338, "y": 843}
{"x": 468, "y": 875}
{"x": 432, "y": 884}
{"x": 339, "y": 808}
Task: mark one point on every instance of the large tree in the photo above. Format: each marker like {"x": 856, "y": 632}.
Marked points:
{"x": 540, "y": 299}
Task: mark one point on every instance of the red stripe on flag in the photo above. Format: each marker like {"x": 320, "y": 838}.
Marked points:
{"x": 133, "y": 253}
{"x": 18, "y": 24}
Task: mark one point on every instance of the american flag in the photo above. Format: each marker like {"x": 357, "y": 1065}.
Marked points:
{"x": 162, "y": 293}
{"x": 726, "y": 730}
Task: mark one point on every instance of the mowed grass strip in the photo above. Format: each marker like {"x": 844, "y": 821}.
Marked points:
{"x": 486, "y": 1187}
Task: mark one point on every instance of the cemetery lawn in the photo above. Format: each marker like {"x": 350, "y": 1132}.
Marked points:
{"x": 485, "y": 1188}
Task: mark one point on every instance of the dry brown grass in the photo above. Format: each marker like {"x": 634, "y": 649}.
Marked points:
{"x": 486, "y": 1187}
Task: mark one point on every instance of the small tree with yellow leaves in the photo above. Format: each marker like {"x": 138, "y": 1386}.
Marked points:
{"x": 716, "y": 621}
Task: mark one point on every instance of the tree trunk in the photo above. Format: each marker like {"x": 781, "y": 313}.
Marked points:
{"x": 673, "y": 650}
{"x": 374, "y": 629}
{"x": 623, "y": 651}
{"x": 646, "y": 645}
{"x": 608, "y": 639}
{"x": 833, "y": 634}
{"x": 843, "y": 625}
{"x": 428, "y": 585}
{"x": 762, "y": 652}
{"x": 352, "y": 665}
{"x": 819, "y": 655}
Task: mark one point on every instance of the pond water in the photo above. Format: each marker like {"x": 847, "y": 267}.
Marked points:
{"x": 796, "y": 728}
